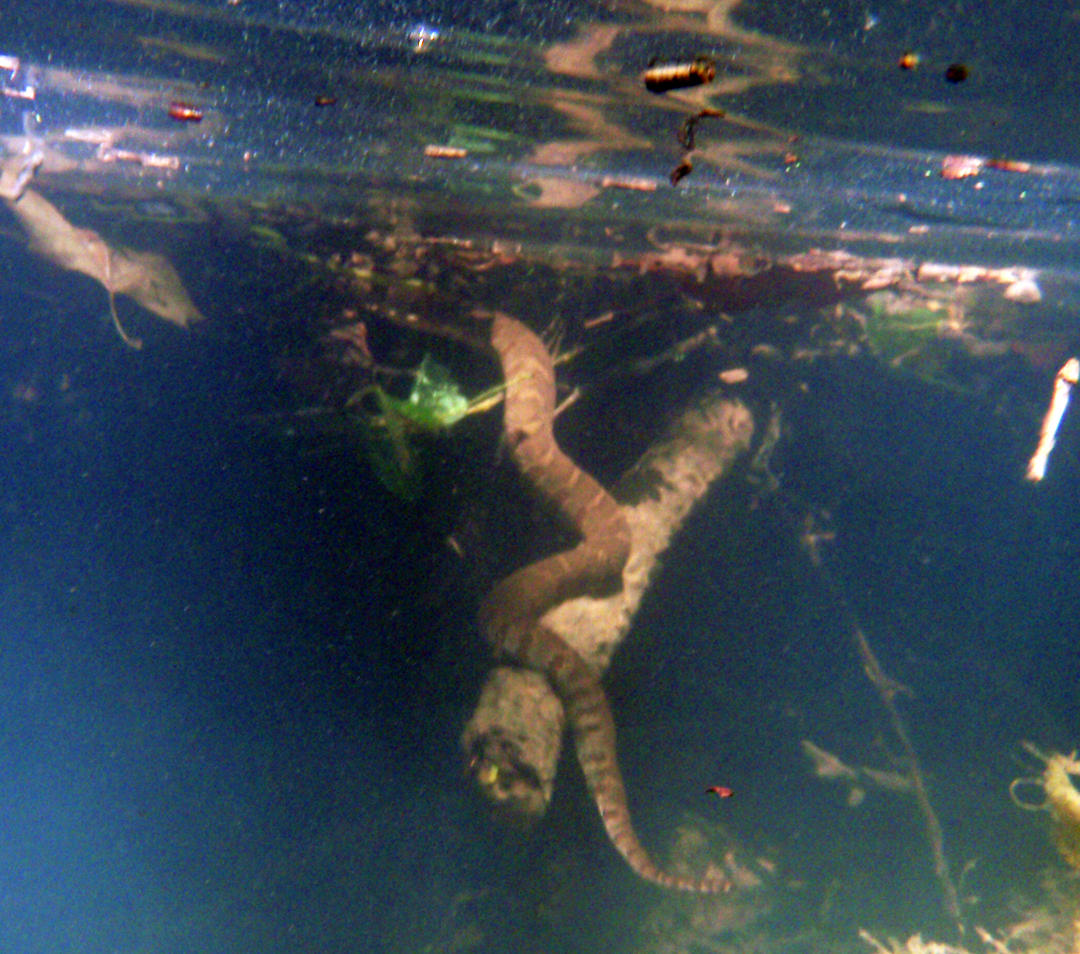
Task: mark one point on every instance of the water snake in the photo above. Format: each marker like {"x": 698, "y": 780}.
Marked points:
{"x": 510, "y": 614}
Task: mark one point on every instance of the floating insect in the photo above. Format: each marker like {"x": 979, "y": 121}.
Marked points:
{"x": 720, "y": 790}
{"x": 184, "y": 112}
{"x": 662, "y": 77}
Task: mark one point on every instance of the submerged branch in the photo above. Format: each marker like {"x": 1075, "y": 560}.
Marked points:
{"x": 888, "y": 689}
{"x": 519, "y": 721}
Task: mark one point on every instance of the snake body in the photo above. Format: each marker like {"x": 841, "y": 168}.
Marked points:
{"x": 510, "y": 614}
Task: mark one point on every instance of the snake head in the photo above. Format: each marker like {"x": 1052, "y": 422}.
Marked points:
{"x": 510, "y": 786}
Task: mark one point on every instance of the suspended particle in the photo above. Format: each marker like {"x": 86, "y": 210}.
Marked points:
{"x": 956, "y": 73}
{"x": 961, "y": 167}
{"x": 185, "y": 112}
{"x": 1008, "y": 165}
{"x": 681, "y": 171}
{"x": 629, "y": 182}
{"x": 721, "y": 791}
{"x": 686, "y": 133}
{"x": 437, "y": 151}
{"x": 908, "y": 60}
{"x": 421, "y": 35}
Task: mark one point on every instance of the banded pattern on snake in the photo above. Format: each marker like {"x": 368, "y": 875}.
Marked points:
{"x": 510, "y": 614}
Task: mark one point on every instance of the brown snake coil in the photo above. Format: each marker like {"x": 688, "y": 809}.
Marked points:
{"x": 510, "y": 614}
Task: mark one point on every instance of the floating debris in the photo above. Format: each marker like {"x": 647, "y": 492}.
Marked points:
{"x": 27, "y": 92}
{"x": 150, "y": 160}
{"x": 960, "y": 167}
{"x": 1025, "y": 289}
{"x": 632, "y": 183}
{"x": 184, "y": 112}
{"x": 435, "y": 151}
{"x": 92, "y": 134}
{"x": 12, "y": 64}
{"x": 663, "y": 77}
{"x": 687, "y": 137}
{"x": 147, "y": 278}
{"x": 1068, "y": 375}
{"x": 909, "y": 60}
{"x": 681, "y": 171}
{"x": 687, "y": 131}
{"x": 325, "y": 100}
{"x": 956, "y": 73}
{"x": 1008, "y": 165}
{"x": 1021, "y": 284}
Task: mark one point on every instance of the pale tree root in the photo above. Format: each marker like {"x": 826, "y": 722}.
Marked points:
{"x": 514, "y": 736}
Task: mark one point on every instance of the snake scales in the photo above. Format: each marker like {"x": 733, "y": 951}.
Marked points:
{"x": 510, "y": 614}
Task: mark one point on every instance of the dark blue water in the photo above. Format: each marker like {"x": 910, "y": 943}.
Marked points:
{"x": 234, "y": 668}
{"x": 960, "y": 576}
{"x": 215, "y": 718}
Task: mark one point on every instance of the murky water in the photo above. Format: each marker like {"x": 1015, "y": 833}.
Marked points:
{"x": 257, "y": 491}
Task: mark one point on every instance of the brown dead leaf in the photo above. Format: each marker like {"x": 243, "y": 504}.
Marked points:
{"x": 146, "y": 277}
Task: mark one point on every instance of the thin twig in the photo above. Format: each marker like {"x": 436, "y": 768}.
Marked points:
{"x": 568, "y": 401}
{"x": 888, "y": 689}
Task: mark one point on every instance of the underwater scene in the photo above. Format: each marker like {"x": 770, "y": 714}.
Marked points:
{"x": 582, "y": 476}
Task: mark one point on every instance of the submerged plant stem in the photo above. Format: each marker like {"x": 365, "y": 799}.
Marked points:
{"x": 887, "y": 689}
